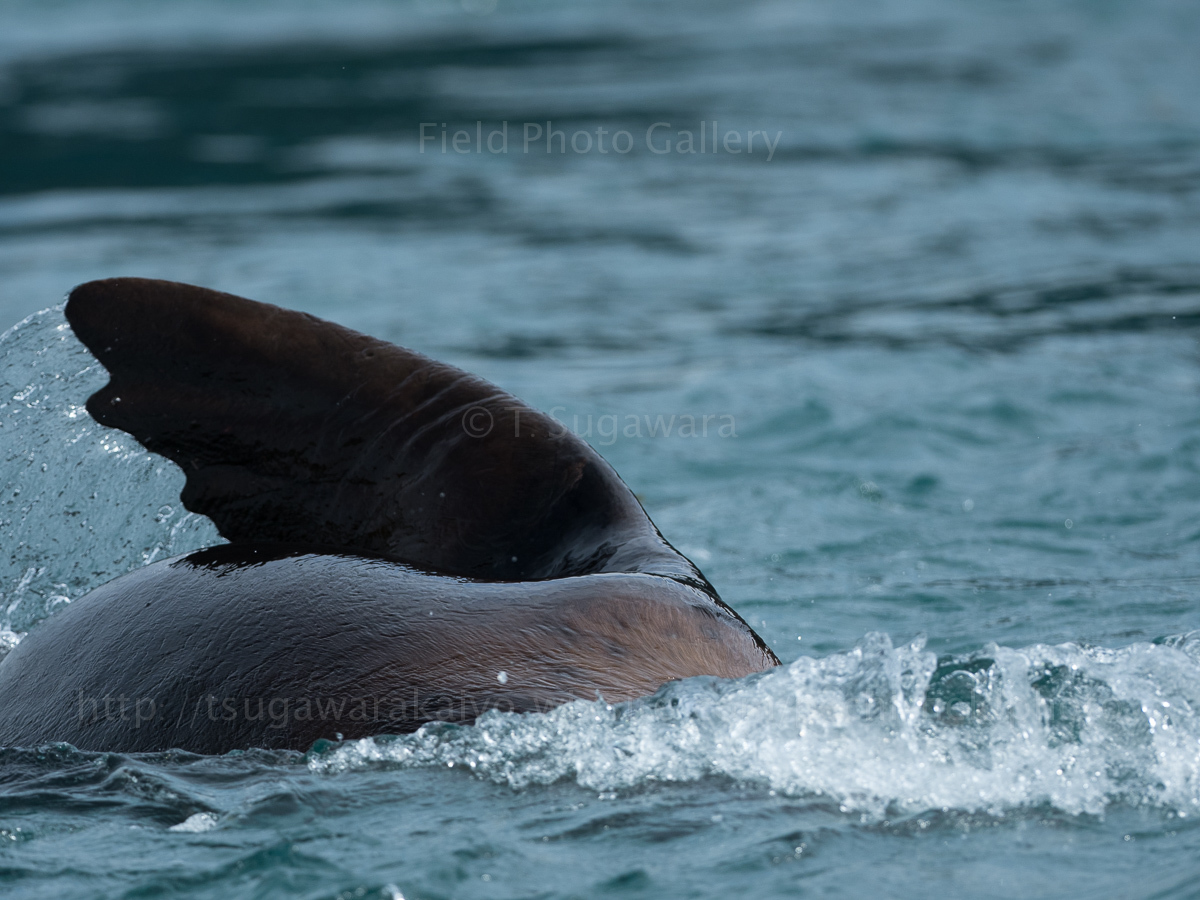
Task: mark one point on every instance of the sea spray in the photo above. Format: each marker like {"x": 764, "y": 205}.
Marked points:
{"x": 80, "y": 504}
{"x": 880, "y": 730}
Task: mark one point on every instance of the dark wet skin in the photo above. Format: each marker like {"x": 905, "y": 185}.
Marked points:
{"x": 390, "y": 563}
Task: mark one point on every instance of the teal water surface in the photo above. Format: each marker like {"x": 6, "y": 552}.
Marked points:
{"x": 929, "y": 367}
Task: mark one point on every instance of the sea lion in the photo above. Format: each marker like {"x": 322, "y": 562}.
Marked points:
{"x": 408, "y": 544}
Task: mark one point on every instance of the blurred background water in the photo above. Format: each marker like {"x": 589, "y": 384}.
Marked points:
{"x": 952, "y": 318}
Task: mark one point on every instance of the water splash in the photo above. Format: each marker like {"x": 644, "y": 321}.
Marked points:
{"x": 197, "y": 823}
{"x": 880, "y": 730}
{"x": 80, "y": 504}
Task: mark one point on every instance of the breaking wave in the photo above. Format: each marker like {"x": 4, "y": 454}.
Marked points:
{"x": 880, "y": 730}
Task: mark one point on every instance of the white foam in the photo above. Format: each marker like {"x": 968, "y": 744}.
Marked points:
{"x": 8, "y": 640}
{"x": 880, "y": 730}
{"x": 197, "y": 823}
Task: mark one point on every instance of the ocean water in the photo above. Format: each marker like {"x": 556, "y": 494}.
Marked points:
{"x": 935, "y": 339}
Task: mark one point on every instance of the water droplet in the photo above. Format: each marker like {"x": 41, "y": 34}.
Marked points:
{"x": 1068, "y": 524}
{"x": 502, "y": 677}
{"x": 968, "y": 505}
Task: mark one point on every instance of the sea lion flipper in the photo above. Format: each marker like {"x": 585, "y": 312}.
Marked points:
{"x": 297, "y": 430}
